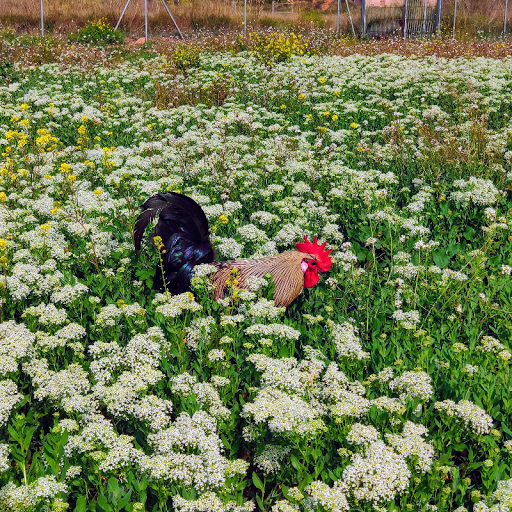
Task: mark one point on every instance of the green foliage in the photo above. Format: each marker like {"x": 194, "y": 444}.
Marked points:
{"x": 313, "y": 17}
{"x": 275, "y": 47}
{"x": 117, "y": 398}
{"x": 213, "y": 22}
{"x": 97, "y": 32}
{"x": 185, "y": 57}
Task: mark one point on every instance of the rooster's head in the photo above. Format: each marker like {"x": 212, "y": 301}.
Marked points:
{"x": 320, "y": 260}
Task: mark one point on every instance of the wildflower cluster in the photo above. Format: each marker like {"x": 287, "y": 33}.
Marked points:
{"x": 385, "y": 385}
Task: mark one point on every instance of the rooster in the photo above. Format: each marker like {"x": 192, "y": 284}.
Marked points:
{"x": 185, "y": 242}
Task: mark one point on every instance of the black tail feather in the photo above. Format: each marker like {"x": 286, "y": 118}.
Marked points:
{"x": 184, "y": 230}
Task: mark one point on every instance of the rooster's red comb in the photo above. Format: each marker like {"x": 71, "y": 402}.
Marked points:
{"x": 318, "y": 251}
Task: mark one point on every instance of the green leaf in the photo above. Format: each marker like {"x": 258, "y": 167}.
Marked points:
{"x": 295, "y": 463}
{"x": 113, "y": 484}
{"x": 103, "y": 503}
{"x": 81, "y": 504}
{"x": 260, "y": 503}
{"x": 469, "y": 234}
{"x": 257, "y": 482}
{"x": 14, "y": 433}
{"x": 124, "y": 501}
{"x": 441, "y": 259}
{"x": 452, "y": 249}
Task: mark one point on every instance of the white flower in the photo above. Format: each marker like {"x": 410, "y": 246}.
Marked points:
{"x": 268, "y": 460}
{"x": 473, "y": 417}
{"x": 362, "y": 434}
{"x": 411, "y": 444}
{"x": 16, "y": 343}
{"x": 173, "y": 306}
{"x": 376, "y": 477}
{"x": 413, "y": 385}
{"x": 9, "y": 397}
{"x": 28, "y": 497}
{"x": 278, "y": 330}
{"x": 347, "y": 342}
{"x": 331, "y": 499}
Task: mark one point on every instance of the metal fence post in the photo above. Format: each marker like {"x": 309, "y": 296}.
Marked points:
{"x": 424, "y": 19}
{"x": 272, "y": 7}
{"x": 245, "y": 18}
{"x": 505, "y": 18}
{"x": 454, "y": 18}
{"x": 405, "y": 17}
{"x": 363, "y": 18}
{"x": 146, "y": 21}
{"x": 172, "y": 18}
{"x": 42, "y": 20}
{"x": 338, "y": 19}
{"x": 350, "y": 18}
{"x": 439, "y": 8}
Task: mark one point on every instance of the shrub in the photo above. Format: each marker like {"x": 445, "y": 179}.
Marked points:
{"x": 313, "y": 17}
{"x": 275, "y": 47}
{"x": 213, "y": 21}
{"x": 97, "y": 32}
{"x": 277, "y": 23}
{"x": 186, "y": 57}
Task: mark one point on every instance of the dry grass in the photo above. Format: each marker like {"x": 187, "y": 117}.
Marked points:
{"x": 63, "y": 16}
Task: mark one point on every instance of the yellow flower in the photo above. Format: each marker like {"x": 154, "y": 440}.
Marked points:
{"x": 360, "y": 149}
{"x": 3, "y": 244}
{"x": 98, "y": 192}
{"x": 45, "y": 227}
{"x": 301, "y": 96}
{"x": 327, "y": 114}
{"x": 71, "y": 178}
{"x": 14, "y": 119}
{"x": 354, "y": 125}
{"x": 54, "y": 210}
{"x": 24, "y": 123}
{"x": 24, "y": 106}
{"x": 81, "y": 130}
{"x": 85, "y": 119}
{"x": 3, "y": 197}
{"x": 47, "y": 176}
{"x": 157, "y": 240}
{"x": 322, "y": 80}
{"x": 337, "y": 92}
{"x": 64, "y": 167}
{"x": 223, "y": 219}
{"x": 334, "y": 117}
{"x": 283, "y": 107}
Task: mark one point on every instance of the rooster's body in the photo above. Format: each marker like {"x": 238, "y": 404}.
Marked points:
{"x": 185, "y": 242}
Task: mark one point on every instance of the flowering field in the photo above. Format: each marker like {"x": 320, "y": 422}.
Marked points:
{"x": 386, "y": 387}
